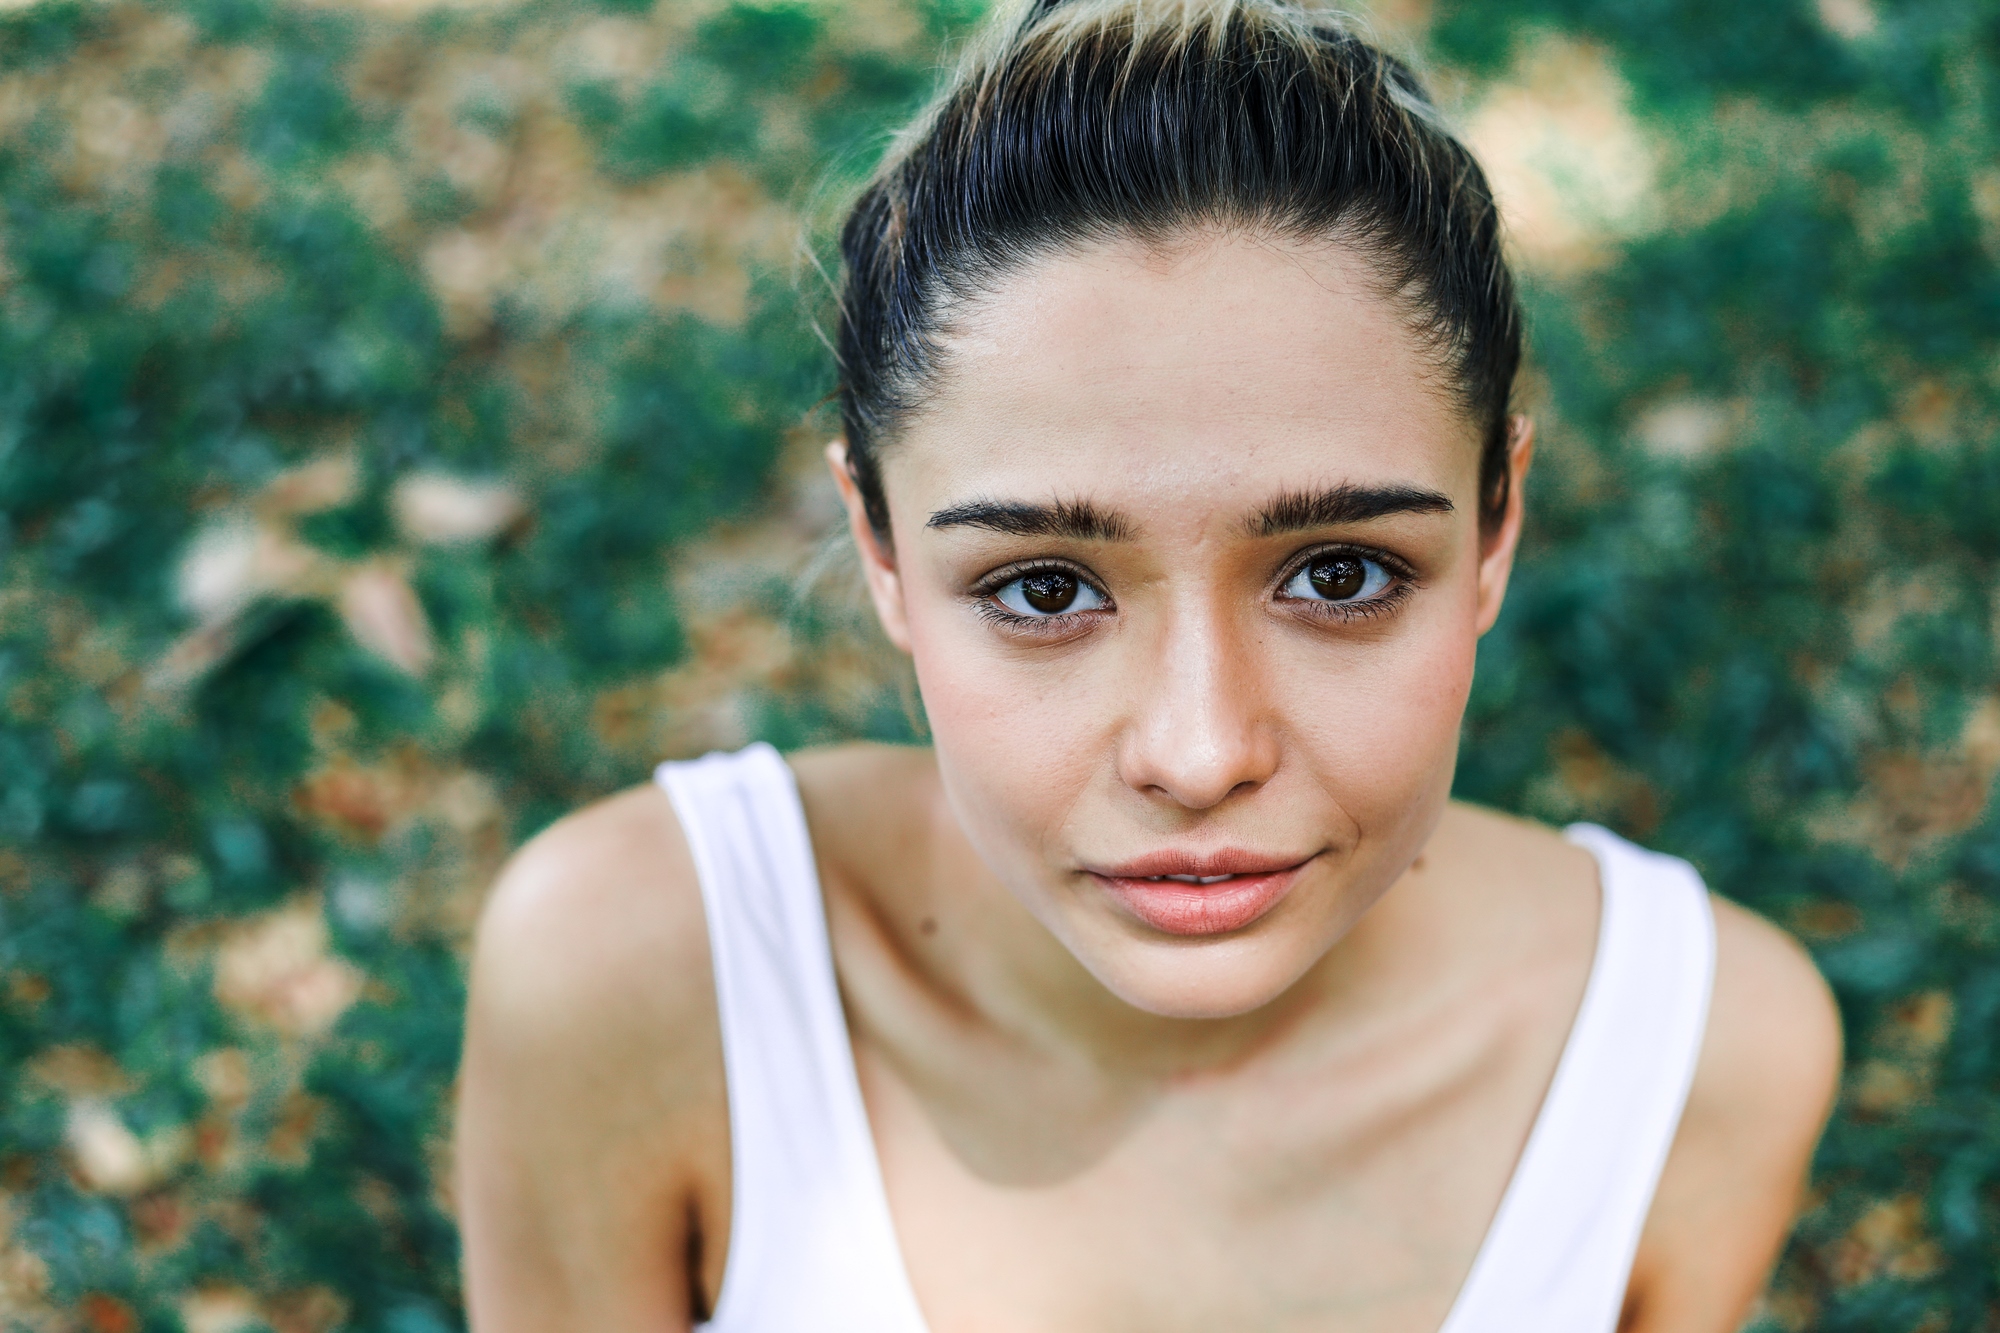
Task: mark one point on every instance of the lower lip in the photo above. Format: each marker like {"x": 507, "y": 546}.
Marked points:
{"x": 1201, "y": 909}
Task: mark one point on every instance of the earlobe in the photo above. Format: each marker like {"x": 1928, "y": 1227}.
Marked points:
{"x": 878, "y": 564}
{"x": 1496, "y": 559}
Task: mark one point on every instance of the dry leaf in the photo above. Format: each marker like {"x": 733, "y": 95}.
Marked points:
{"x": 231, "y": 563}
{"x": 1888, "y": 1240}
{"x": 383, "y": 614}
{"x": 437, "y": 509}
{"x": 312, "y": 488}
{"x": 275, "y": 970}
{"x": 224, "y": 1074}
{"x": 110, "y": 1158}
{"x": 1570, "y": 165}
{"x": 219, "y": 1310}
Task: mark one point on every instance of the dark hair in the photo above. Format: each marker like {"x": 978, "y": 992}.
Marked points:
{"x": 1083, "y": 121}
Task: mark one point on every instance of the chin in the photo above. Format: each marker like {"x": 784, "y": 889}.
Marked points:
{"x": 1210, "y": 979}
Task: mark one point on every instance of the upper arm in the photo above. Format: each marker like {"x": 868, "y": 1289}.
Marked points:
{"x": 591, "y": 1112}
{"x": 1762, "y": 1092}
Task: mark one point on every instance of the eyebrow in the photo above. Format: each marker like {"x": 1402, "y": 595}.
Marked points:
{"x": 1078, "y": 520}
{"x": 1296, "y": 511}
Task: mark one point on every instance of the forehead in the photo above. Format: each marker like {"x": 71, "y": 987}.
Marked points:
{"x": 1132, "y": 367}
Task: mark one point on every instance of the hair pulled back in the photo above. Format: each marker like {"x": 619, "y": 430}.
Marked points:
{"x": 1099, "y": 119}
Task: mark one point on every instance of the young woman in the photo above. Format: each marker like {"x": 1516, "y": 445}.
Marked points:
{"x": 1167, "y": 990}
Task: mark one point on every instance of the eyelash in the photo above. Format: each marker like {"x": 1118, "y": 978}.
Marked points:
{"x": 1351, "y": 612}
{"x": 1047, "y": 627}
{"x": 1056, "y": 626}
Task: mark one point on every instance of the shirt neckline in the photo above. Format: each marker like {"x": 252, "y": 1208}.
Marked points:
{"x": 1489, "y": 1245}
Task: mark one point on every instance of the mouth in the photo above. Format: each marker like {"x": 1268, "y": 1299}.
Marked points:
{"x": 1179, "y": 894}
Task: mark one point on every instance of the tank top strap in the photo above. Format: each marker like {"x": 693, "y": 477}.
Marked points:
{"x": 812, "y": 1248}
{"x": 1558, "y": 1257}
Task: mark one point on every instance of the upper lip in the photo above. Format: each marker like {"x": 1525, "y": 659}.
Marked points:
{"x": 1200, "y": 865}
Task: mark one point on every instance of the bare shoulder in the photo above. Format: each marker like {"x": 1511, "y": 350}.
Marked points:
{"x": 1763, "y": 1089}
{"x": 1773, "y": 1038}
{"x": 594, "y": 930}
{"x": 1772, "y": 1054}
{"x": 592, "y": 1136}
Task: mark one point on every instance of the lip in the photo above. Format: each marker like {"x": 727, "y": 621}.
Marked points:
{"x": 1256, "y": 883}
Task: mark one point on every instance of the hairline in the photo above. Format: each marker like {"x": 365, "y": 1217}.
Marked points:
{"x": 966, "y": 298}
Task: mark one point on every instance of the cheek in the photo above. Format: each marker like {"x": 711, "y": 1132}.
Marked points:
{"x": 1015, "y": 742}
{"x": 1380, "y": 728}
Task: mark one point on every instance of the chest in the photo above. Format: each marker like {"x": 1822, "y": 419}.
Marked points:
{"x": 1353, "y": 1196}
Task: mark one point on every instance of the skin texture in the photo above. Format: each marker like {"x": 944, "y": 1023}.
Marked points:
{"x": 1087, "y": 1122}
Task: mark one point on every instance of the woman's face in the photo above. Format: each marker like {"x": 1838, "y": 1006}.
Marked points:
{"x": 1186, "y": 550}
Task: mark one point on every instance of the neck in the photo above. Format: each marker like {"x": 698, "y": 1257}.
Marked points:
{"x": 954, "y": 989}
{"x": 1006, "y": 971}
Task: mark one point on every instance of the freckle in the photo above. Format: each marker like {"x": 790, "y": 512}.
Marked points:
{"x": 1417, "y": 864}
{"x": 928, "y": 925}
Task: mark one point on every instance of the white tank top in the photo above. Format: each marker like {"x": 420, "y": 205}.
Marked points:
{"x": 812, "y": 1247}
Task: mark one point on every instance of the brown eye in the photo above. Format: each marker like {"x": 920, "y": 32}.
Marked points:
{"x": 1339, "y": 576}
{"x": 1049, "y": 592}
{"x": 1339, "y": 579}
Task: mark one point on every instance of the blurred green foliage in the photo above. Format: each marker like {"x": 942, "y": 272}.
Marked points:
{"x": 1775, "y": 654}
{"x": 398, "y": 413}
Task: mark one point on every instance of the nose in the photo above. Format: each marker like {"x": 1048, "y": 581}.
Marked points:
{"x": 1198, "y": 731}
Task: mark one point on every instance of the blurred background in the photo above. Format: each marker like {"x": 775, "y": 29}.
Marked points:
{"x": 409, "y": 417}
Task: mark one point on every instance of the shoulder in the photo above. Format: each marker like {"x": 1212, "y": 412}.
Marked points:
{"x": 591, "y": 1144}
{"x": 1770, "y": 1062}
{"x": 1774, "y": 1040}
{"x": 1763, "y": 1089}
{"x": 594, "y": 928}
{"x": 592, "y": 1047}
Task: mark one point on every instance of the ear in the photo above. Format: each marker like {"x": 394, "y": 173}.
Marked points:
{"x": 1496, "y": 556}
{"x": 885, "y": 585}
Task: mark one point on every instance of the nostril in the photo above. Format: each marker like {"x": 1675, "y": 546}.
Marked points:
{"x": 1196, "y": 791}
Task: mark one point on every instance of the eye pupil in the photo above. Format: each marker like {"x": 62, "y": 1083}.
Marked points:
{"x": 1049, "y": 591}
{"x": 1338, "y": 579}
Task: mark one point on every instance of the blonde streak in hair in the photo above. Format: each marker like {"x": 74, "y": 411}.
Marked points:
{"x": 1006, "y": 41}
{"x": 1143, "y": 26}
{"x": 1037, "y": 49}
{"x": 1145, "y": 20}
{"x": 1147, "y": 25}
